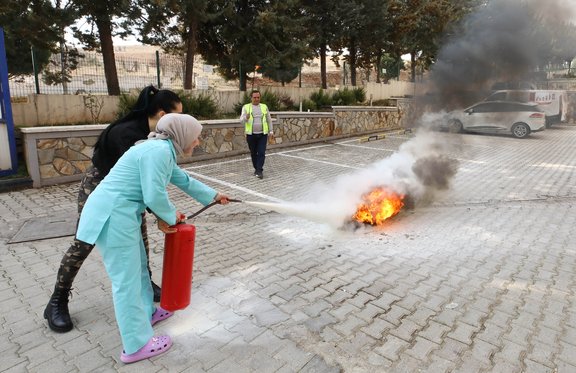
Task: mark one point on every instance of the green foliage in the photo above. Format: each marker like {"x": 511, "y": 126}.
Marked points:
{"x": 247, "y": 34}
{"x": 321, "y": 99}
{"x": 392, "y": 65}
{"x": 37, "y": 25}
{"x": 26, "y": 26}
{"x": 359, "y": 94}
{"x": 60, "y": 67}
{"x": 309, "y": 105}
{"x": 274, "y": 101}
{"x": 383, "y": 102}
{"x": 287, "y": 104}
{"x": 201, "y": 106}
{"x": 238, "y": 106}
{"x": 343, "y": 97}
{"x": 125, "y": 104}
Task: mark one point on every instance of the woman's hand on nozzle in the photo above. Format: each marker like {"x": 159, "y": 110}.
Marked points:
{"x": 222, "y": 199}
{"x": 180, "y": 217}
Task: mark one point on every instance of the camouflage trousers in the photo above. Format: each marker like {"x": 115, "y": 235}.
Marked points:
{"x": 79, "y": 250}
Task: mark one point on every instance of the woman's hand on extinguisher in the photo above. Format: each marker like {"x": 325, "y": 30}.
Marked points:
{"x": 222, "y": 199}
{"x": 165, "y": 228}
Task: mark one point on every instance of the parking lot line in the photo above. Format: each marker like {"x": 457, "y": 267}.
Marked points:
{"x": 232, "y": 186}
{"x": 317, "y": 161}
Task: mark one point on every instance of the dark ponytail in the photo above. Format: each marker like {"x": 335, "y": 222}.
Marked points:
{"x": 150, "y": 101}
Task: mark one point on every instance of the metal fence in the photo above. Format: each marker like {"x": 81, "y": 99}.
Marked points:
{"x": 166, "y": 71}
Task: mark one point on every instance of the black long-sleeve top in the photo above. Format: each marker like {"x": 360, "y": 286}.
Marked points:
{"x": 115, "y": 140}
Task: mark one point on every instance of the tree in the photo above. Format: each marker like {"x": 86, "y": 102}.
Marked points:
{"x": 27, "y": 25}
{"x": 349, "y": 24}
{"x": 362, "y": 31}
{"x": 286, "y": 48}
{"x": 106, "y": 18}
{"x": 174, "y": 25}
{"x": 322, "y": 25}
{"x": 247, "y": 34}
{"x": 374, "y": 38}
{"x": 64, "y": 14}
{"x": 421, "y": 25}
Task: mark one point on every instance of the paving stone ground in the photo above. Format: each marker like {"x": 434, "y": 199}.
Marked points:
{"x": 480, "y": 280}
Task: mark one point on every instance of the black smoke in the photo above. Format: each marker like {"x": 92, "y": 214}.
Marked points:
{"x": 506, "y": 42}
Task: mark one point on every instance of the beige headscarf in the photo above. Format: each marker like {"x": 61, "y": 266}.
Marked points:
{"x": 182, "y": 129}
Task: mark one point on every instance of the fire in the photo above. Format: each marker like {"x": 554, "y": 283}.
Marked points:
{"x": 378, "y": 206}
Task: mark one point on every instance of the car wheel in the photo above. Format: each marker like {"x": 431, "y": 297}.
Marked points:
{"x": 454, "y": 126}
{"x": 520, "y": 130}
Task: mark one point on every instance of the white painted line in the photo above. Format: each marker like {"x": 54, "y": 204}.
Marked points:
{"x": 248, "y": 158}
{"x": 318, "y": 161}
{"x": 399, "y": 137}
{"x": 232, "y": 186}
{"x": 467, "y": 160}
{"x": 347, "y": 141}
{"x": 300, "y": 149}
{"x": 368, "y": 147}
{"x": 217, "y": 163}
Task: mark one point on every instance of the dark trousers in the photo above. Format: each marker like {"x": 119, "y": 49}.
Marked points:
{"x": 257, "y": 145}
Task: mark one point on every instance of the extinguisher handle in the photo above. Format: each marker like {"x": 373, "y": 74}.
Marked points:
{"x": 208, "y": 206}
{"x": 201, "y": 210}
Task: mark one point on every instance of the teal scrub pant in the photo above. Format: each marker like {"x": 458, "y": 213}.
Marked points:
{"x": 132, "y": 293}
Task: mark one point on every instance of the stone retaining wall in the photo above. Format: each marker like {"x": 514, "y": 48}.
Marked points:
{"x": 61, "y": 154}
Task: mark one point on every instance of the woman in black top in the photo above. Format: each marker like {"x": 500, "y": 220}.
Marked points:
{"x": 116, "y": 139}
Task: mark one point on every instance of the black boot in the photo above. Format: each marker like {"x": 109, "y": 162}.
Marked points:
{"x": 157, "y": 291}
{"x": 57, "y": 313}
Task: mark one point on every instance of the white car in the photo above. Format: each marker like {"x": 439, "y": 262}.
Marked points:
{"x": 554, "y": 103}
{"x": 500, "y": 117}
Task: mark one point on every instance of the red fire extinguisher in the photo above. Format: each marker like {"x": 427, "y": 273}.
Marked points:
{"x": 177, "y": 268}
{"x": 178, "y": 262}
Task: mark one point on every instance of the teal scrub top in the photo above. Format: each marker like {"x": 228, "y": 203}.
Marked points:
{"x": 138, "y": 180}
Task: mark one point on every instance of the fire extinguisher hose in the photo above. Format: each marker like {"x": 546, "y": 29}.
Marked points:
{"x": 208, "y": 206}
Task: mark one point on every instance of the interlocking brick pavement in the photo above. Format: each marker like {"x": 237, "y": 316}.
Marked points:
{"x": 480, "y": 280}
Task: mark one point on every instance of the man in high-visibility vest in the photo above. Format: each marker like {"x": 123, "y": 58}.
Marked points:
{"x": 257, "y": 126}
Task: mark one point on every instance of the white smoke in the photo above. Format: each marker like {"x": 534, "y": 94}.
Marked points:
{"x": 419, "y": 170}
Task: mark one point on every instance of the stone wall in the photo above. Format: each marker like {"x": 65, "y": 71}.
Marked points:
{"x": 61, "y": 154}
{"x": 353, "y": 120}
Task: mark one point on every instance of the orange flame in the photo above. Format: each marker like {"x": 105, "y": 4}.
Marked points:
{"x": 379, "y": 205}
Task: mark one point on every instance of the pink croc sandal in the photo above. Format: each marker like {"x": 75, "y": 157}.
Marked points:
{"x": 155, "y": 346}
{"x": 160, "y": 314}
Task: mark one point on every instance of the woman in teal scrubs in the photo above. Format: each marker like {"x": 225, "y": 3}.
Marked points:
{"x": 112, "y": 216}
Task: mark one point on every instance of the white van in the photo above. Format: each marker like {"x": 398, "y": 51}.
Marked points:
{"x": 553, "y": 103}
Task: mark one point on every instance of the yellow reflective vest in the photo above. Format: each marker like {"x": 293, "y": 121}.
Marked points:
{"x": 248, "y": 126}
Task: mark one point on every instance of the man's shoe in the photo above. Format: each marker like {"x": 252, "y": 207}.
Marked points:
{"x": 260, "y": 175}
{"x": 56, "y": 312}
{"x": 157, "y": 291}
